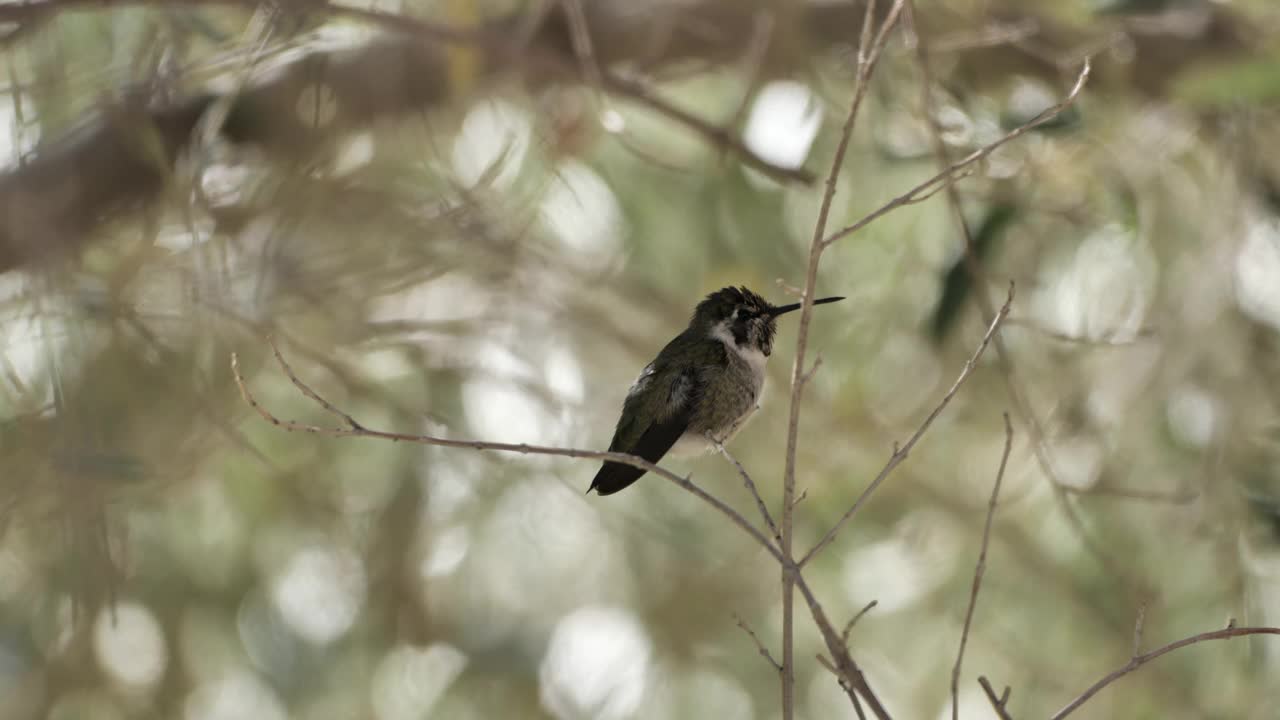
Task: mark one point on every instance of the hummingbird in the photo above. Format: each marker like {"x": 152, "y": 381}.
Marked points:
{"x": 701, "y": 388}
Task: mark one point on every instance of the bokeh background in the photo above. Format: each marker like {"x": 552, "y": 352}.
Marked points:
{"x": 481, "y": 239}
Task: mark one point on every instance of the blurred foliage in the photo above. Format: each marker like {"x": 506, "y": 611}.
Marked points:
{"x": 501, "y": 265}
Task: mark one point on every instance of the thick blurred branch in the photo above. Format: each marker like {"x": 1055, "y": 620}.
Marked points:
{"x": 53, "y": 205}
{"x": 114, "y": 163}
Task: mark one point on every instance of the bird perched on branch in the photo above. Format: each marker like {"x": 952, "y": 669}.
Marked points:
{"x": 702, "y": 387}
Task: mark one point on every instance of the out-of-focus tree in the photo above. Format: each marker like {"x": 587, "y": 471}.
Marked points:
{"x": 480, "y": 219}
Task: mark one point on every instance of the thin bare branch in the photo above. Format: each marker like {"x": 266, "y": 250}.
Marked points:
{"x": 901, "y": 453}
{"x": 949, "y": 174}
{"x": 974, "y": 268}
{"x": 848, "y": 628}
{"x": 869, "y": 51}
{"x": 845, "y": 666}
{"x": 999, "y": 704}
{"x": 1137, "y": 661}
{"x": 306, "y": 390}
{"x": 358, "y": 430}
{"x": 751, "y": 487}
{"x": 764, "y": 651}
{"x": 844, "y": 685}
{"x": 979, "y": 569}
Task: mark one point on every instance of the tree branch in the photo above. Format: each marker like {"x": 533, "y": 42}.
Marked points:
{"x": 950, "y": 173}
{"x": 751, "y": 487}
{"x": 1138, "y": 661}
{"x": 355, "y": 429}
{"x": 869, "y": 52}
{"x": 997, "y": 703}
{"x": 901, "y": 453}
{"x": 764, "y": 651}
{"x": 980, "y": 569}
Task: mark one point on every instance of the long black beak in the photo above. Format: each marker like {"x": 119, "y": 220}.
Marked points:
{"x": 784, "y": 309}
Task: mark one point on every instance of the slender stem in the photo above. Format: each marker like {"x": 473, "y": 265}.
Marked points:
{"x": 1138, "y": 661}
{"x": 355, "y": 429}
{"x": 900, "y": 454}
{"x": 949, "y": 174}
{"x": 764, "y": 651}
{"x": 867, "y": 57}
{"x": 750, "y": 485}
{"x": 980, "y": 569}
{"x": 998, "y": 703}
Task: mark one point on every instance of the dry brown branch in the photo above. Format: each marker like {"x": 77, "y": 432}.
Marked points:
{"x": 764, "y": 651}
{"x": 355, "y": 429}
{"x": 869, "y": 52}
{"x": 901, "y": 453}
{"x": 949, "y": 174}
{"x": 751, "y": 487}
{"x": 973, "y": 266}
{"x": 844, "y": 685}
{"x": 979, "y": 569}
{"x": 848, "y": 628}
{"x": 1137, "y": 661}
{"x": 999, "y": 704}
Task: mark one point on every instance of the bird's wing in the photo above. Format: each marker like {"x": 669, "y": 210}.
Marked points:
{"x": 653, "y": 441}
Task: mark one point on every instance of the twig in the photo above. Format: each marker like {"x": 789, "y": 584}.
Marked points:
{"x": 848, "y": 628}
{"x": 800, "y": 498}
{"x": 751, "y": 487}
{"x": 1138, "y": 627}
{"x": 979, "y": 569}
{"x": 997, "y": 703}
{"x": 764, "y": 651}
{"x": 355, "y": 429}
{"x": 848, "y": 669}
{"x": 716, "y": 135}
{"x": 869, "y": 52}
{"x": 306, "y": 389}
{"x": 900, "y": 454}
{"x": 806, "y": 377}
{"x": 973, "y": 267}
{"x": 844, "y": 685}
{"x": 1137, "y": 661}
{"x": 949, "y": 173}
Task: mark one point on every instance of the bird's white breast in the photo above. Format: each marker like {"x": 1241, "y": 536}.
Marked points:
{"x": 752, "y": 356}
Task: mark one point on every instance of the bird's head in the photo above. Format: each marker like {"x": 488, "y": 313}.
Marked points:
{"x": 740, "y": 314}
